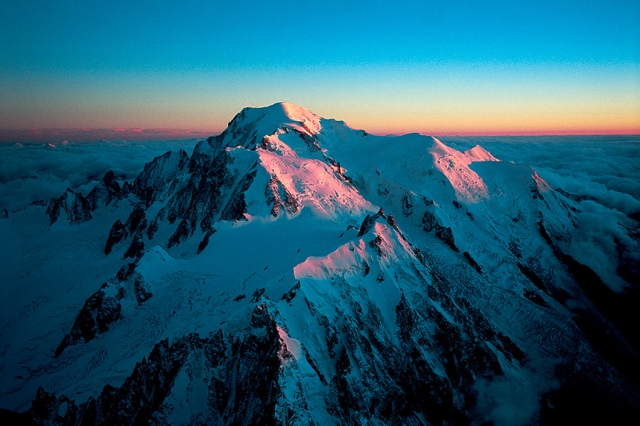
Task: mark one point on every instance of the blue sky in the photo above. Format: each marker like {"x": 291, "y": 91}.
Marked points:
{"x": 430, "y": 66}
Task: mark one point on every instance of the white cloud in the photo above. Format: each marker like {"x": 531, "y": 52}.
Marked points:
{"x": 40, "y": 172}
{"x": 505, "y": 402}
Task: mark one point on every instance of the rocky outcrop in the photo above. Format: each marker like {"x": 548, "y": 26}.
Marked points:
{"x": 211, "y": 193}
{"x": 574, "y": 197}
{"x": 103, "y": 308}
{"x": 99, "y": 312}
{"x": 310, "y": 140}
{"x": 117, "y": 233}
{"x": 158, "y": 176}
{"x": 241, "y": 382}
{"x": 280, "y": 198}
{"x": 77, "y": 209}
{"x": 472, "y": 262}
{"x": 369, "y": 220}
{"x": 236, "y": 207}
{"x": 135, "y": 225}
{"x": 407, "y": 204}
{"x": 443, "y": 233}
{"x": 107, "y": 191}
{"x": 136, "y": 249}
{"x": 137, "y": 220}
{"x": 197, "y": 192}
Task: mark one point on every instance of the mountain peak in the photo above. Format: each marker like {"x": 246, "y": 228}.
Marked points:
{"x": 296, "y": 112}
{"x": 253, "y": 281}
{"x": 281, "y": 113}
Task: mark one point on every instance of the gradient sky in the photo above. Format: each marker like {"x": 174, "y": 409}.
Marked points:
{"x": 153, "y": 69}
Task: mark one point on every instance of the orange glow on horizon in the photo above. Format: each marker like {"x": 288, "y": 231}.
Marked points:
{"x": 489, "y": 119}
{"x": 543, "y": 132}
{"x": 505, "y": 125}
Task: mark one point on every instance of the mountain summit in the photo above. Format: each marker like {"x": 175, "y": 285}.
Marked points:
{"x": 293, "y": 270}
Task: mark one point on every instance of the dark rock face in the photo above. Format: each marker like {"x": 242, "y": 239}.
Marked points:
{"x": 288, "y": 296}
{"x": 152, "y": 182}
{"x": 396, "y": 383}
{"x": 44, "y": 409}
{"x": 574, "y": 197}
{"x": 311, "y": 141}
{"x": 429, "y": 221}
{"x": 369, "y": 220}
{"x": 116, "y": 234}
{"x": 136, "y": 223}
{"x": 107, "y": 191}
{"x": 392, "y": 221}
{"x": 237, "y": 207}
{"x": 535, "y": 297}
{"x": 281, "y": 199}
{"x": 76, "y": 207}
{"x": 444, "y": 234}
{"x": 153, "y": 228}
{"x": 205, "y": 241}
{"x": 184, "y": 230}
{"x": 407, "y": 205}
{"x": 96, "y": 316}
{"x": 242, "y": 389}
{"x": 103, "y": 308}
{"x": 472, "y": 262}
{"x": 197, "y": 191}
{"x": 136, "y": 249}
{"x": 211, "y": 193}
{"x": 142, "y": 290}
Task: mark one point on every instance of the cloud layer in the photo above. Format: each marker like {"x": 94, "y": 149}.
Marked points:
{"x": 88, "y": 135}
{"x": 33, "y": 172}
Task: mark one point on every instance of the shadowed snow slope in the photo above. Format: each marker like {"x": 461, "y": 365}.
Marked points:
{"x": 293, "y": 270}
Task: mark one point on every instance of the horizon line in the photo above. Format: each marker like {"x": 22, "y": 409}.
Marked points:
{"x": 84, "y": 134}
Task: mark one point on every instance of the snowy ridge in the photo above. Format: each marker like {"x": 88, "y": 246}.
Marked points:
{"x": 293, "y": 270}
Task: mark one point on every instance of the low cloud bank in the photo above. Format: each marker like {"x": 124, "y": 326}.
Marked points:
{"x": 33, "y": 172}
{"x": 605, "y": 167}
{"x": 88, "y": 135}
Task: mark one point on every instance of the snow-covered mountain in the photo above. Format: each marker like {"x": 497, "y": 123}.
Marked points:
{"x": 293, "y": 270}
